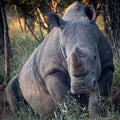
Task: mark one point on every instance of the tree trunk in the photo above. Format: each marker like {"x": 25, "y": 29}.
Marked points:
{"x": 1, "y": 35}
{"x": 6, "y": 41}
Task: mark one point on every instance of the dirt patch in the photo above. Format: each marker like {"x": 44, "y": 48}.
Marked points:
{"x": 115, "y": 96}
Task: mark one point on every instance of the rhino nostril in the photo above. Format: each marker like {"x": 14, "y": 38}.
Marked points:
{"x": 94, "y": 83}
{"x": 94, "y": 57}
{"x": 93, "y": 73}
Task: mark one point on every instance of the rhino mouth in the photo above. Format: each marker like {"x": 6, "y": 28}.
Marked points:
{"x": 78, "y": 89}
{"x": 82, "y": 86}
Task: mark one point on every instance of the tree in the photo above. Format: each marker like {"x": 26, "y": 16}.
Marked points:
{"x": 6, "y": 39}
{"x": 1, "y": 35}
{"x": 38, "y": 10}
{"x": 111, "y": 10}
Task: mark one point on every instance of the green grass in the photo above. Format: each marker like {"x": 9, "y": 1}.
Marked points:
{"x": 116, "y": 81}
{"x": 21, "y": 50}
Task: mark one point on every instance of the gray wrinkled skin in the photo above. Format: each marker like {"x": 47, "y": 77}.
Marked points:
{"x": 74, "y": 56}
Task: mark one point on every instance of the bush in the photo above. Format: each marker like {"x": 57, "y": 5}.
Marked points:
{"x": 116, "y": 78}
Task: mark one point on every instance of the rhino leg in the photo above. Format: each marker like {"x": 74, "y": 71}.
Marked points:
{"x": 57, "y": 85}
{"x": 38, "y": 97}
{"x": 94, "y": 107}
{"x": 14, "y": 96}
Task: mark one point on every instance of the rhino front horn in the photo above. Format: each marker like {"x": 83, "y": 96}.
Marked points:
{"x": 76, "y": 66}
{"x": 74, "y": 58}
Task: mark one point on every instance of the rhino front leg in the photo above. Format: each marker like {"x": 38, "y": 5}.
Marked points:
{"x": 57, "y": 85}
{"x": 94, "y": 103}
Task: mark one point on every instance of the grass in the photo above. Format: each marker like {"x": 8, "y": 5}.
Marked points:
{"x": 116, "y": 81}
{"x": 22, "y": 45}
{"x": 21, "y": 50}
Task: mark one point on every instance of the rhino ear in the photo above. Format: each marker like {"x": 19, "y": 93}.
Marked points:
{"x": 90, "y": 12}
{"x": 55, "y": 21}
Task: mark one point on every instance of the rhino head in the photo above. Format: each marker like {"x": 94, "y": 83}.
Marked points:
{"x": 79, "y": 45}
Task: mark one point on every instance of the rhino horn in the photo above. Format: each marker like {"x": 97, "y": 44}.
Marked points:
{"x": 73, "y": 62}
{"x": 77, "y": 65}
{"x": 74, "y": 58}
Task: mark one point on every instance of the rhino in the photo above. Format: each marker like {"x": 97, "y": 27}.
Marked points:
{"x": 75, "y": 56}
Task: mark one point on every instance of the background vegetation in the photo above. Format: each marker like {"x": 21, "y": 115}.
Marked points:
{"x": 27, "y": 23}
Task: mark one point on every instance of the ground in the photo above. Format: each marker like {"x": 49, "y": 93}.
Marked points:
{"x": 5, "y": 114}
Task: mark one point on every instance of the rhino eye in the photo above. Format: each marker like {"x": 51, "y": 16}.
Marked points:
{"x": 80, "y": 53}
{"x": 93, "y": 73}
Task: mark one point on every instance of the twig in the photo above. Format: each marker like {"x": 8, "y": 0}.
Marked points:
{"x": 37, "y": 15}
{"x": 20, "y": 24}
{"x": 31, "y": 31}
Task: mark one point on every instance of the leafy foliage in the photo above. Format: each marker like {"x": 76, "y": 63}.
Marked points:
{"x": 37, "y": 11}
{"x": 116, "y": 81}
